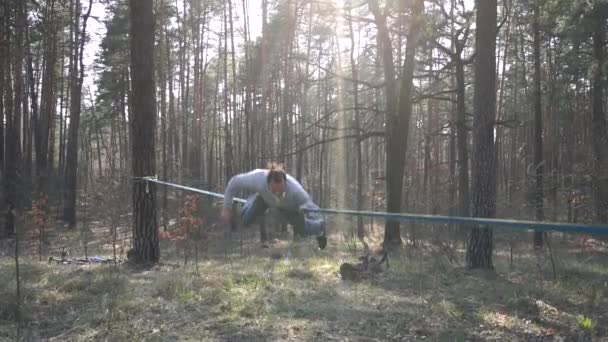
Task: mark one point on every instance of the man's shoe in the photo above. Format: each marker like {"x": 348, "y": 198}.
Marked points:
{"x": 322, "y": 241}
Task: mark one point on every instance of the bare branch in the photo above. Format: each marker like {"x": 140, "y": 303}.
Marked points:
{"x": 359, "y": 137}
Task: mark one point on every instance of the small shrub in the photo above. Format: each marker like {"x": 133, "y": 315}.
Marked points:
{"x": 585, "y": 323}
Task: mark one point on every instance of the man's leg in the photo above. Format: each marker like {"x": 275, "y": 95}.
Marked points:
{"x": 296, "y": 220}
{"x": 306, "y": 226}
{"x": 254, "y": 208}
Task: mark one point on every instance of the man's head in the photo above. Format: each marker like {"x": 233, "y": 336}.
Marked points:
{"x": 276, "y": 179}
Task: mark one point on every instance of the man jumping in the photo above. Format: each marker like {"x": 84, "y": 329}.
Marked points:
{"x": 274, "y": 188}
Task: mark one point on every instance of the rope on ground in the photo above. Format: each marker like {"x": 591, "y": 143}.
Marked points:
{"x": 406, "y": 217}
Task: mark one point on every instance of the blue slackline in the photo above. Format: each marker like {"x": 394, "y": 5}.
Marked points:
{"x": 405, "y": 217}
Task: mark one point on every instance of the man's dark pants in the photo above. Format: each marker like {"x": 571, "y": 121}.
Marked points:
{"x": 256, "y": 207}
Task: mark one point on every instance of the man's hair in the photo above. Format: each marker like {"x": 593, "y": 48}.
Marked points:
{"x": 276, "y": 174}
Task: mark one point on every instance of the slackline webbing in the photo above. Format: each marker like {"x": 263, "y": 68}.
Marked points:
{"x": 406, "y": 217}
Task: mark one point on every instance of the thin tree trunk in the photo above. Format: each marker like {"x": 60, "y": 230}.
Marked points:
{"x": 599, "y": 131}
{"x": 233, "y": 106}
{"x": 14, "y": 181}
{"x": 162, "y": 75}
{"x": 513, "y": 175}
{"x": 538, "y": 129}
{"x": 249, "y": 86}
{"x": 569, "y": 137}
{"x": 462, "y": 141}
{"x": 500, "y": 130}
{"x": 71, "y": 177}
{"x": 181, "y": 29}
{"x": 228, "y": 155}
{"x": 195, "y": 149}
{"x": 214, "y": 128}
{"x": 172, "y": 138}
{"x": 397, "y": 122}
{"x": 63, "y": 106}
{"x": 359, "y": 154}
{"x": 30, "y": 113}
{"x": 453, "y": 183}
{"x": 4, "y": 63}
{"x": 122, "y": 126}
{"x": 48, "y": 103}
{"x": 99, "y": 136}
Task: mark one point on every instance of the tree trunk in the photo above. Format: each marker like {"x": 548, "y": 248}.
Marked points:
{"x": 98, "y": 138}
{"x": 501, "y": 137}
{"x": 359, "y": 154}
{"x": 233, "y": 107}
{"x": 538, "y": 129}
{"x": 62, "y": 106}
{"x": 569, "y": 139}
{"x": 214, "y": 129}
{"x": 480, "y": 246}
{"x": 14, "y": 181}
{"x": 249, "y": 88}
{"x": 397, "y": 123}
{"x": 195, "y": 149}
{"x": 228, "y": 154}
{"x": 4, "y": 63}
{"x": 182, "y": 107}
{"x": 162, "y": 75}
{"x": 453, "y": 180}
{"x": 462, "y": 141}
{"x": 47, "y": 102}
{"x": 513, "y": 162}
{"x": 123, "y": 126}
{"x": 29, "y": 113}
{"x": 599, "y": 132}
{"x": 146, "y": 247}
{"x": 173, "y": 140}
{"x": 393, "y": 181}
{"x": 71, "y": 167}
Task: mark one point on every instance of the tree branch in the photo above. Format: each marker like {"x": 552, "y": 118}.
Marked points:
{"x": 359, "y": 137}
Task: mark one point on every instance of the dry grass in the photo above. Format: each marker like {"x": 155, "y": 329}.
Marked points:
{"x": 291, "y": 292}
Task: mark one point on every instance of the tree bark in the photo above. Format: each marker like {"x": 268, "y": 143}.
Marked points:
{"x": 162, "y": 79}
{"x": 182, "y": 108}
{"x": 4, "y": 60}
{"x": 599, "y": 131}
{"x": 480, "y": 246}
{"x": 538, "y": 129}
{"x": 235, "y": 120}
{"x": 172, "y": 136}
{"x": 47, "y": 102}
{"x": 228, "y": 153}
{"x": 397, "y": 123}
{"x": 14, "y": 178}
{"x": 71, "y": 167}
{"x": 29, "y": 113}
{"x": 358, "y": 142}
{"x": 146, "y": 247}
{"x": 393, "y": 181}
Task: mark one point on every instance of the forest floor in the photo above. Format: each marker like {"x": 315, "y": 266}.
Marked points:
{"x": 243, "y": 291}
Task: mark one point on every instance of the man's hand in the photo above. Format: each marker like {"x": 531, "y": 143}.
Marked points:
{"x": 226, "y": 215}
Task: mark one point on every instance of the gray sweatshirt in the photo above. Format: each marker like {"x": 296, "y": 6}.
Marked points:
{"x": 295, "y": 197}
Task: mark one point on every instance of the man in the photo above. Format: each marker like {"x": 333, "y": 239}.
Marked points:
{"x": 273, "y": 188}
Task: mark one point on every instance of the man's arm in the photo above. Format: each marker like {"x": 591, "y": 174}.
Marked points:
{"x": 232, "y": 188}
{"x": 249, "y": 182}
